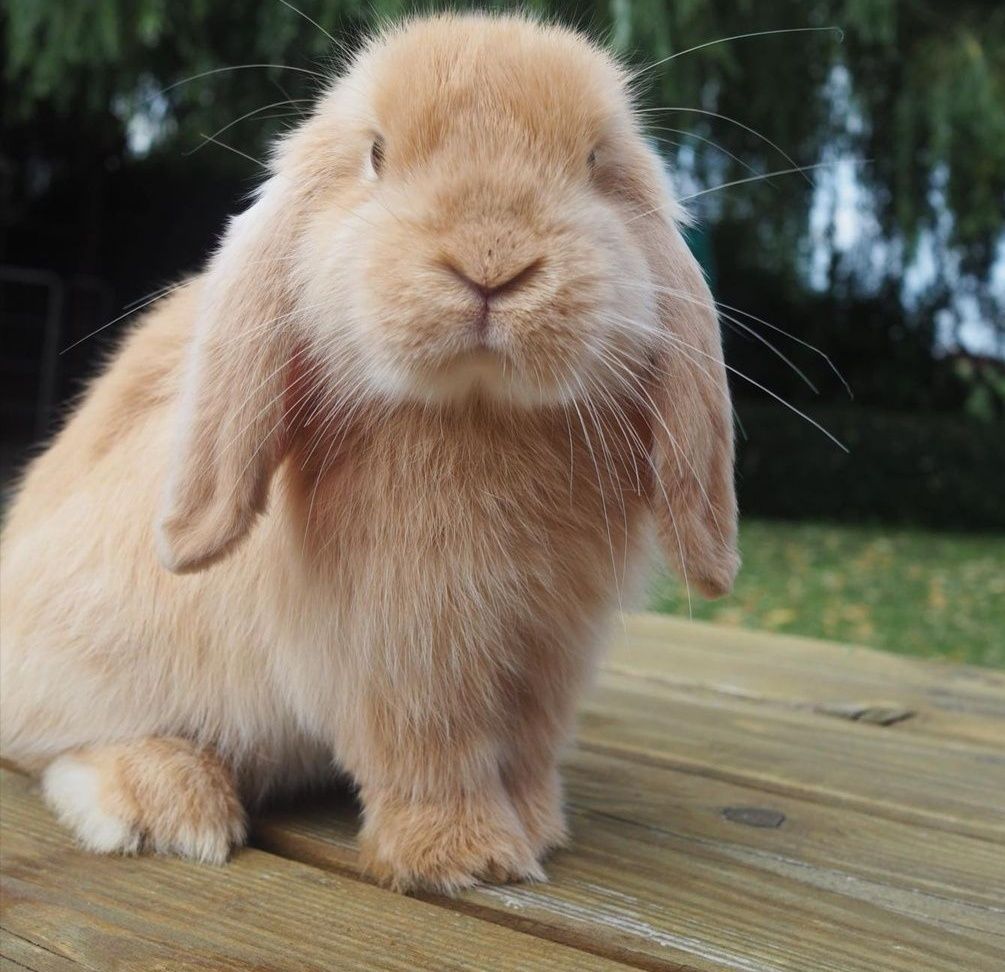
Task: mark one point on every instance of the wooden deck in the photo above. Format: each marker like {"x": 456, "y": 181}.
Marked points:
{"x": 739, "y": 802}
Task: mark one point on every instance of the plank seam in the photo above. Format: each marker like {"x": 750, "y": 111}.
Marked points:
{"x": 45, "y": 948}
{"x": 989, "y": 834}
{"x": 797, "y": 712}
{"x": 294, "y": 850}
{"x": 720, "y": 848}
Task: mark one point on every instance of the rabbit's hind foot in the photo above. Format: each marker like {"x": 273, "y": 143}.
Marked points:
{"x": 162, "y": 794}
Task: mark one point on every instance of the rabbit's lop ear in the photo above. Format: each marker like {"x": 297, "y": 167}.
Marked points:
{"x": 693, "y": 499}
{"x": 231, "y": 434}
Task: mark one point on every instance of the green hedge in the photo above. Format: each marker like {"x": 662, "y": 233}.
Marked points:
{"x": 921, "y": 469}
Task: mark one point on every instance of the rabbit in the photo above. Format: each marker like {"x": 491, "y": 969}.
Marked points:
{"x": 365, "y": 495}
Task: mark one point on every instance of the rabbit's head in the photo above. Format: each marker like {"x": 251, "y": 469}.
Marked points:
{"x": 483, "y": 246}
{"x": 470, "y": 211}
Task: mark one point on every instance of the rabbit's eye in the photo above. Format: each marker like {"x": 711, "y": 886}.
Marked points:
{"x": 377, "y": 155}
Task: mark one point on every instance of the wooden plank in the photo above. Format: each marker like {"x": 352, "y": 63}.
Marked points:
{"x": 937, "y": 698}
{"x": 825, "y": 847}
{"x": 860, "y": 859}
{"x": 259, "y": 912}
{"x": 658, "y": 878}
{"x": 17, "y": 953}
{"x": 942, "y": 784}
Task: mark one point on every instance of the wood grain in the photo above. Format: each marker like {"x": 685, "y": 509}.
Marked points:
{"x": 16, "y": 953}
{"x": 62, "y": 908}
{"x": 739, "y": 803}
{"x": 657, "y": 878}
{"x": 859, "y": 854}
{"x": 939, "y": 698}
{"x": 939, "y": 783}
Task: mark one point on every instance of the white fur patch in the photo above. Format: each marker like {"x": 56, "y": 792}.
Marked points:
{"x": 72, "y": 788}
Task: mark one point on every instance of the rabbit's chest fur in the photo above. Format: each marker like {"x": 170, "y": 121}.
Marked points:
{"x": 447, "y": 552}
{"x": 466, "y": 514}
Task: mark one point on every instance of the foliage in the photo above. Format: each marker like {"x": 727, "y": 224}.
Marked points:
{"x": 98, "y": 122}
{"x": 101, "y": 102}
{"x": 917, "y": 88}
{"x": 882, "y": 349}
{"x": 916, "y": 593}
{"x": 931, "y": 470}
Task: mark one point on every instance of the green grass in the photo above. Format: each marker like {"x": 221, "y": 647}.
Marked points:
{"x": 907, "y": 591}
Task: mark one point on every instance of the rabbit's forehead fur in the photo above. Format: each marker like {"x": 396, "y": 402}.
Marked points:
{"x": 471, "y": 189}
{"x": 491, "y": 84}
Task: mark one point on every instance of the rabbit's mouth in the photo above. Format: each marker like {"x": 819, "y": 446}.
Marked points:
{"x": 540, "y": 341}
{"x": 495, "y": 361}
{"x": 479, "y": 369}
{"x": 511, "y": 341}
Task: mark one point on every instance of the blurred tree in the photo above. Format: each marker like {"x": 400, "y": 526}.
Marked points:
{"x": 912, "y": 90}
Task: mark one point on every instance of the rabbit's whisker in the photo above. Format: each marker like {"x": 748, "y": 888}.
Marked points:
{"x": 602, "y": 435}
{"x": 257, "y": 329}
{"x": 634, "y": 386}
{"x": 614, "y": 410}
{"x": 677, "y": 342}
{"x": 332, "y": 402}
{"x": 792, "y": 337}
{"x": 145, "y": 302}
{"x": 734, "y": 37}
{"x": 265, "y": 439}
{"x": 338, "y": 44}
{"x": 701, "y": 138}
{"x": 600, "y": 485}
{"x": 757, "y": 178}
{"x": 234, "y": 67}
{"x": 718, "y": 304}
{"x": 658, "y": 480}
{"x": 572, "y": 451}
{"x": 319, "y": 475}
{"x": 247, "y": 114}
{"x": 303, "y": 394}
{"x": 620, "y": 418}
{"x": 733, "y": 121}
{"x": 236, "y": 151}
{"x": 265, "y": 381}
{"x": 159, "y": 292}
{"x": 663, "y": 141}
{"x": 742, "y": 327}
{"x": 337, "y": 445}
{"x": 323, "y": 412}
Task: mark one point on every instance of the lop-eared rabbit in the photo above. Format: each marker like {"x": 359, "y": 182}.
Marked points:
{"x": 364, "y": 496}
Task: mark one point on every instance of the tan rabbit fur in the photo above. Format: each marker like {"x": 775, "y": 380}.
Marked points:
{"x": 365, "y": 494}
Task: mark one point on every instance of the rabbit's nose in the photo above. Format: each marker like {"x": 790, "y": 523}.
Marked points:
{"x": 503, "y": 284}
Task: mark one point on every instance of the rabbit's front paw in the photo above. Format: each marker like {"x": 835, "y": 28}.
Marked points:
{"x": 445, "y": 846}
{"x": 538, "y": 804}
